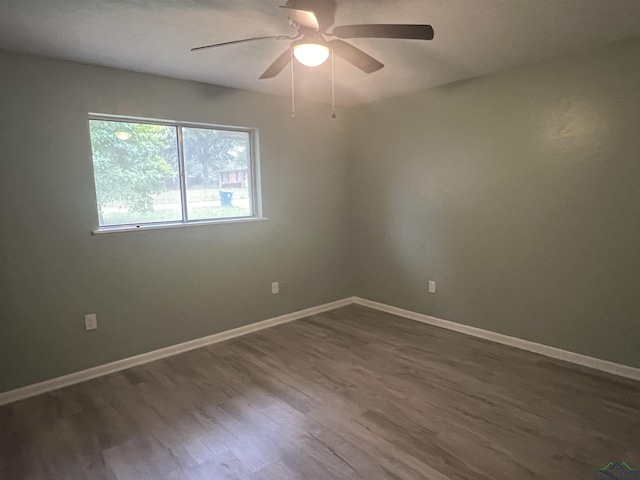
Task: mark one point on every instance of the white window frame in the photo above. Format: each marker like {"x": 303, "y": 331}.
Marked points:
{"x": 254, "y": 174}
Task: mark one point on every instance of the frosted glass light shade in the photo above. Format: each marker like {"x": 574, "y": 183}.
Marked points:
{"x": 311, "y": 54}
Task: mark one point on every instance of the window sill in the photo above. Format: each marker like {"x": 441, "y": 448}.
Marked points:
{"x": 157, "y": 226}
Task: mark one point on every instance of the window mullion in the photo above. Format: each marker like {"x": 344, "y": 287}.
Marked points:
{"x": 183, "y": 175}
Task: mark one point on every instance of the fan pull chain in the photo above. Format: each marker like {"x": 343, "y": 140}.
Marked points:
{"x": 333, "y": 88}
{"x": 293, "y": 91}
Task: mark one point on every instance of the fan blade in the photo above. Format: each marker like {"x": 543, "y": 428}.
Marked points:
{"x": 410, "y": 32}
{"x": 276, "y": 37}
{"x": 355, "y": 56}
{"x": 276, "y": 67}
{"x": 303, "y": 18}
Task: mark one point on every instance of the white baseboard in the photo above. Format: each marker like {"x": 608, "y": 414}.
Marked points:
{"x": 577, "y": 358}
{"x": 77, "y": 377}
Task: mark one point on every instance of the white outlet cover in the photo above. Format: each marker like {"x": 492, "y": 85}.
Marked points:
{"x": 275, "y": 287}
{"x": 432, "y": 286}
{"x": 90, "y": 321}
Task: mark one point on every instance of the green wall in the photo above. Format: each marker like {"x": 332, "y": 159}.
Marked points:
{"x": 518, "y": 193}
{"x": 151, "y": 289}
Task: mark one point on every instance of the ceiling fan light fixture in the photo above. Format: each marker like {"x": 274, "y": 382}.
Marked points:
{"x": 311, "y": 54}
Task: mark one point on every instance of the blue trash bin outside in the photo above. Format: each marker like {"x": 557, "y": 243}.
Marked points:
{"x": 225, "y": 198}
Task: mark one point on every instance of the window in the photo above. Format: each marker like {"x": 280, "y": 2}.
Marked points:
{"x": 154, "y": 173}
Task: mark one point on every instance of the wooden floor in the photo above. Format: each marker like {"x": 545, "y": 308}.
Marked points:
{"x": 353, "y": 393}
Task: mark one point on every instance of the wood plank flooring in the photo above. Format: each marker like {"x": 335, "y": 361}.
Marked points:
{"x": 349, "y": 394}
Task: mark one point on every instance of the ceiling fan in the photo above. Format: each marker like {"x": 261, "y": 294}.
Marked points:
{"x": 311, "y": 19}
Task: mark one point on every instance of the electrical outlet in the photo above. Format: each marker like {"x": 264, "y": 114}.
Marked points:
{"x": 90, "y": 321}
{"x": 432, "y": 286}
{"x": 275, "y": 288}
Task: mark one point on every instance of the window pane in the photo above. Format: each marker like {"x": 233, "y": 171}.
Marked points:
{"x": 136, "y": 172}
{"x": 217, "y": 166}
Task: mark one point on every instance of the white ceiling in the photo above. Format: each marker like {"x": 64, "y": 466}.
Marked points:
{"x": 472, "y": 37}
